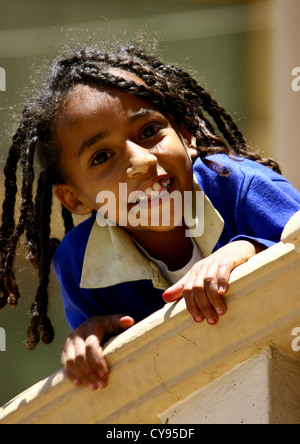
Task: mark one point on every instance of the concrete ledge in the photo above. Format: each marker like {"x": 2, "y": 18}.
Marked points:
{"x": 264, "y": 389}
{"x": 216, "y": 402}
{"x": 167, "y": 357}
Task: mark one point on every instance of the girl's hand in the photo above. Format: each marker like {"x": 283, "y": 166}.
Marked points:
{"x": 208, "y": 280}
{"x": 82, "y": 355}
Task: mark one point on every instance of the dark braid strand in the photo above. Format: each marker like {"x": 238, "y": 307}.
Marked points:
{"x": 40, "y": 325}
{"x": 8, "y": 208}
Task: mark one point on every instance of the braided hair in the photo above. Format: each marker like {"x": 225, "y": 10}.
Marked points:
{"x": 170, "y": 88}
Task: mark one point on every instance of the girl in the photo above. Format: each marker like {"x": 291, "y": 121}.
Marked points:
{"x": 107, "y": 120}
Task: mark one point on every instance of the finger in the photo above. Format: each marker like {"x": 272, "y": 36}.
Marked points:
{"x": 81, "y": 365}
{"x": 96, "y": 360}
{"x": 195, "y": 285}
{"x": 175, "y": 292}
{"x": 204, "y": 306}
{"x": 193, "y": 308}
{"x": 191, "y": 303}
{"x": 96, "y": 365}
{"x": 212, "y": 292}
{"x": 119, "y": 323}
{"x": 223, "y": 277}
{"x": 67, "y": 361}
{"x": 73, "y": 370}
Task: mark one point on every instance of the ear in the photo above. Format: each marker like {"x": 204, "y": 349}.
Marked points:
{"x": 190, "y": 142}
{"x": 68, "y": 196}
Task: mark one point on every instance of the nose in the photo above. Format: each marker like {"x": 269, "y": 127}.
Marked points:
{"x": 140, "y": 160}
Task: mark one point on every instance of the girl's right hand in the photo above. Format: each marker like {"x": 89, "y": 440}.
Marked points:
{"x": 82, "y": 355}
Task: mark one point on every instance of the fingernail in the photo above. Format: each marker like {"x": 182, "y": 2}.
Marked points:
{"x": 221, "y": 290}
{"x": 211, "y": 321}
{"x": 76, "y": 382}
{"x": 220, "y": 311}
{"x": 104, "y": 375}
{"x": 199, "y": 319}
{"x": 102, "y": 384}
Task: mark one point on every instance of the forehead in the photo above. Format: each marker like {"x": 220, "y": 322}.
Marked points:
{"x": 86, "y": 95}
{"x": 87, "y": 104}
{"x": 86, "y": 99}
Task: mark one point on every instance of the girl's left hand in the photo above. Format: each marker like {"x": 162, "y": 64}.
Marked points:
{"x": 208, "y": 280}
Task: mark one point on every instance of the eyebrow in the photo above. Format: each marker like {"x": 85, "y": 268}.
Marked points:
{"x": 104, "y": 133}
{"x": 141, "y": 113}
{"x": 92, "y": 140}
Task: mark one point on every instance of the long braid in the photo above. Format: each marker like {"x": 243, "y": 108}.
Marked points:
{"x": 67, "y": 218}
{"x": 40, "y": 325}
{"x": 8, "y": 222}
{"x": 26, "y": 193}
{"x": 8, "y": 206}
{"x": 225, "y": 124}
{"x": 33, "y": 225}
{"x": 36, "y": 233}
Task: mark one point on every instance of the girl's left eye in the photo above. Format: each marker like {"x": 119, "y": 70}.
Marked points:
{"x": 101, "y": 157}
{"x": 150, "y": 130}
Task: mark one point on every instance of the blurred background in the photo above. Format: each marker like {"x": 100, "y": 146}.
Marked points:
{"x": 244, "y": 52}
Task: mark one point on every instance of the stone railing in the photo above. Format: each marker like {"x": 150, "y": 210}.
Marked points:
{"x": 167, "y": 369}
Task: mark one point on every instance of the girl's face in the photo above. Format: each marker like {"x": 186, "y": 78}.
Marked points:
{"x": 122, "y": 147}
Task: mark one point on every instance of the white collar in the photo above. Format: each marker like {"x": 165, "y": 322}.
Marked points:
{"x": 112, "y": 258}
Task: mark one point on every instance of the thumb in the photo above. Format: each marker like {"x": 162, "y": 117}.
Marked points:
{"x": 176, "y": 291}
{"x": 119, "y": 323}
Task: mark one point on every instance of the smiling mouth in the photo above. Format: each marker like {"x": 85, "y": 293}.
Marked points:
{"x": 158, "y": 190}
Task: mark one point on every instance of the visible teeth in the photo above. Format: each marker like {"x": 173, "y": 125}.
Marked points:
{"x": 153, "y": 192}
{"x": 156, "y": 186}
{"x": 148, "y": 190}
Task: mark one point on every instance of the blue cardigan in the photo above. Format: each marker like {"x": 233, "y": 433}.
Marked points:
{"x": 254, "y": 202}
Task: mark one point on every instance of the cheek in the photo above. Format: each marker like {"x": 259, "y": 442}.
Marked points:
{"x": 183, "y": 167}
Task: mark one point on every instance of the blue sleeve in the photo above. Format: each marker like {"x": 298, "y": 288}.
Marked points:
{"x": 265, "y": 206}
{"x": 254, "y": 201}
{"x": 79, "y": 304}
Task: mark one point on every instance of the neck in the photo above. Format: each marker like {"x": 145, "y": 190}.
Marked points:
{"x": 172, "y": 247}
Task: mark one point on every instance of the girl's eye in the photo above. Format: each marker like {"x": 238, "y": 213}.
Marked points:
{"x": 150, "y": 130}
{"x": 101, "y": 157}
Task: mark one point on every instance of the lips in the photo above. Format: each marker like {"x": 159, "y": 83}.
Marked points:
{"x": 159, "y": 189}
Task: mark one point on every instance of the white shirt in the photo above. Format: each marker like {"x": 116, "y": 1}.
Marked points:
{"x": 175, "y": 276}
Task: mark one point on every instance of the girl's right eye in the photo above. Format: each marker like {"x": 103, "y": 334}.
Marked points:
{"x": 151, "y": 130}
{"x": 100, "y": 157}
